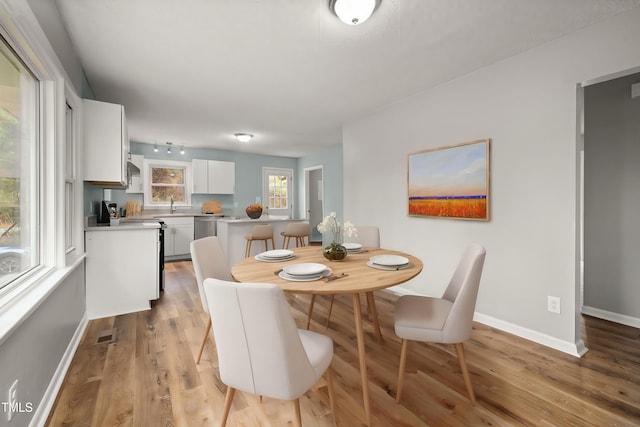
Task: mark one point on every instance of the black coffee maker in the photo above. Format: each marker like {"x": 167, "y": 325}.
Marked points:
{"x": 107, "y": 211}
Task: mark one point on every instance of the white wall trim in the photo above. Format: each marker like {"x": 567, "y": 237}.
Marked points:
{"x": 575, "y": 349}
{"x": 613, "y": 317}
{"x": 50, "y": 394}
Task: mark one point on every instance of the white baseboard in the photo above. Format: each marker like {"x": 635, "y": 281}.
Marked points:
{"x": 575, "y": 349}
{"x": 50, "y": 394}
{"x": 613, "y": 317}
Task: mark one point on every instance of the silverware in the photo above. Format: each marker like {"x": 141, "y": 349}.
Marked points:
{"x": 277, "y": 272}
{"x": 335, "y": 277}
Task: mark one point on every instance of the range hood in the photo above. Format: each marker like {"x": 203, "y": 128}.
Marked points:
{"x": 132, "y": 170}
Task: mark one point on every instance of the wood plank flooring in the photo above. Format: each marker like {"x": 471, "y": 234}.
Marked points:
{"x": 148, "y": 375}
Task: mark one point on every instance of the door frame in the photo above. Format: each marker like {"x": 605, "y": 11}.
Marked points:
{"x": 307, "y": 192}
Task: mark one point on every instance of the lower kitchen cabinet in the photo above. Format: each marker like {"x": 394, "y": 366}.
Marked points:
{"x": 122, "y": 269}
{"x": 177, "y": 237}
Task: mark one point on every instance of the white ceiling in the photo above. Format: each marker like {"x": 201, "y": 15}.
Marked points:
{"x": 193, "y": 72}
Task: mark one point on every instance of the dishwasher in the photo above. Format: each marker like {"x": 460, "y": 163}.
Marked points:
{"x": 204, "y": 226}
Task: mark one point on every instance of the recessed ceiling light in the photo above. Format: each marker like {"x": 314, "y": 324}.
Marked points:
{"x": 243, "y": 137}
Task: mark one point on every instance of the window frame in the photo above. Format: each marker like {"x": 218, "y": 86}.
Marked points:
{"x": 151, "y": 163}
{"x": 22, "y": 33}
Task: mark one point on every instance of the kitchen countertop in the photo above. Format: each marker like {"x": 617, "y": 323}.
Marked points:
{"x": 140, "y": 225}
{"x": 232, "y": 220}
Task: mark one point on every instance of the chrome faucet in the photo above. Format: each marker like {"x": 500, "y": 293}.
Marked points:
{"x": 172, "y": 209}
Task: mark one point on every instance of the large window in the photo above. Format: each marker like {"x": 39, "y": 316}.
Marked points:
{"x": 19, "y": 209}
{"x": 167, "y": 180}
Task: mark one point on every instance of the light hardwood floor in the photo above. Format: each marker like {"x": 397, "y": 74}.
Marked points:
{"x": 148, "y": 376}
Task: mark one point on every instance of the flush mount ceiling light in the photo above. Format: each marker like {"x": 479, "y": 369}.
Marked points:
{"x": 353, "y": 12}
{"x": 243, "y": 137}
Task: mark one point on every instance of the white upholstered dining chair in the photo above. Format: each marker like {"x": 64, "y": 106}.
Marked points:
{"x": 446, "y": 320}
{"x": 260, "y": 349}
{"x": 208, "y": 260}
{"x": 369, "y": 237}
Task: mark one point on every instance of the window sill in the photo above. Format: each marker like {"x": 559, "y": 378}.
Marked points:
{"x": 22, "y": 299}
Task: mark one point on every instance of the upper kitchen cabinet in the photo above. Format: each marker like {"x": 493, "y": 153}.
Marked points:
{"x": 106, "y": 143}
{"x": 213, "y": 176}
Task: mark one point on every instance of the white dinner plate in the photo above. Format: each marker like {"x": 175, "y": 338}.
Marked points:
{"x": 327, "y": 272}
{"x": 389, "y": 260}
{"x": 304, "y": 269}
{"x": 277, "y": 253}
{"x": 352, "y": 246}
{"x": 388, "y": 267}
{"x": 259, "y": 257}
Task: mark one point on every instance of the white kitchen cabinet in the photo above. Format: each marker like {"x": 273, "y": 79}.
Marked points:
{"x": 222, "y": 177}
{"x": 136, "y": 182}
{"x": 177, "y": 237}
{"x": 122, "y": 270}
{"x": 106, "y": 143}
{"x": 213, "y": 176}
{"x": 200, "y": 175}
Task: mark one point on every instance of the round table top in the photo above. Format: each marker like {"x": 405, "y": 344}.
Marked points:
{"x": 359, "y": 276}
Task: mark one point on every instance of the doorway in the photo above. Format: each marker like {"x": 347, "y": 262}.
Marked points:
{"x": 610, "y": 199}
{"x": 314, "y": 199}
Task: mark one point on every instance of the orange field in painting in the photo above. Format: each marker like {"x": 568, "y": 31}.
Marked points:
{"x": 472, "y": 208}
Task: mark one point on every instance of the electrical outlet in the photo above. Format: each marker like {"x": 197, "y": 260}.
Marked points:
{"x": 553, "y": 304}
{"x": 13, "y": 400}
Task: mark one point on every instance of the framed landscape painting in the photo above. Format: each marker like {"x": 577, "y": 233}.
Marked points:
{"x": 450, "y": 182}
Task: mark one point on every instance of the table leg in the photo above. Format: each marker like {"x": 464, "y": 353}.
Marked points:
{"x": 361, "y": 354}
{"x": 371, "y": 302}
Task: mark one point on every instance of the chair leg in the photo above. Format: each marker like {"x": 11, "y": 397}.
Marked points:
{"x": 329, "y": 378}
{"x": 313, "y": 300}
{"x": 228, "y": 400}
{"x": 247, "y": 251}
{"x": 285, "y": 242}
{"x": 465, "y": 371}
{"x": 298, "y": 419}
{"x": 330, "y": 308}
{"x": 403, "y": 364}
{"x": 204, "y": 340}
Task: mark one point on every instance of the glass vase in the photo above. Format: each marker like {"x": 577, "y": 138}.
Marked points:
{"x": 334, "y": 252}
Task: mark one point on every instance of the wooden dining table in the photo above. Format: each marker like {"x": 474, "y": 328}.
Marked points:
{"x": 356, "y": 278}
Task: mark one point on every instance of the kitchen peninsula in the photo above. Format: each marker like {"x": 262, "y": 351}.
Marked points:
{"x": 231, "y": 233}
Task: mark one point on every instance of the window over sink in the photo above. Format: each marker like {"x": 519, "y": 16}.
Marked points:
{"x": 166, "y": 180}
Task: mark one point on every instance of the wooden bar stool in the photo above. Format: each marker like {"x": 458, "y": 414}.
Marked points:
{"x": 299, "y": 230}
{"x": 260, "y": 232}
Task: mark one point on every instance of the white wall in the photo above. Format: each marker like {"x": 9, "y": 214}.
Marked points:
{"x": 527, "y": 105}
{"x": 612, "y": 200}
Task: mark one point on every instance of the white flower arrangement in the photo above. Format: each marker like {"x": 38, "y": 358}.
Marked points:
{"x": 331, "y": 224}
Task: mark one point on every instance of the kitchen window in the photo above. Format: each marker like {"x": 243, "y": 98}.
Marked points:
{"x": 167, "y": 180}
{"x": 20, "y": 220}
